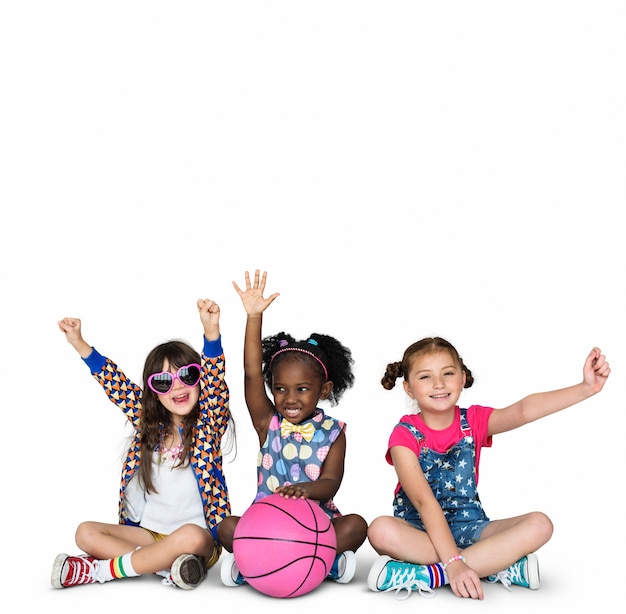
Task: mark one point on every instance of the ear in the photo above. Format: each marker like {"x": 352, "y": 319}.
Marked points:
{"x": 408, "y": 390}
{"x": 327, "y": 388}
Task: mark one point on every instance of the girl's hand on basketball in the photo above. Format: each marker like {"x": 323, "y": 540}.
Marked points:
{"x": 293, "y": 491}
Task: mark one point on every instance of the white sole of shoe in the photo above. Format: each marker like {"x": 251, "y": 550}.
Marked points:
{"x": 375, "y": 571}
{"x": 55, "y": 577}
{"x": 350, "y": 570}
{"x": 177, "y": 572}
{"x": 532, "y": 567}
{"x": 226, "y": 570}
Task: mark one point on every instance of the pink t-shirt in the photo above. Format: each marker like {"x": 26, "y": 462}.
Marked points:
{"x": 442, "y": 441}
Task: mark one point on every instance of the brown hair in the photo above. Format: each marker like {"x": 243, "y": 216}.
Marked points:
{"x": 428, "y": 345}
{"x": 155, "y": 419}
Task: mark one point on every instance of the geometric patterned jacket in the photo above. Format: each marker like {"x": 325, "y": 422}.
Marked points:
{"x": 213, "y": 419}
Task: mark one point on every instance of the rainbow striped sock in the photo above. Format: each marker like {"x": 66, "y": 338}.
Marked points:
{"x": 119, "y": 567}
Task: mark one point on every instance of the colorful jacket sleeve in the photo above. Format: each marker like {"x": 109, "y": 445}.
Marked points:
{"x": 214, "y": 418}
{"x": 118, "y": 388}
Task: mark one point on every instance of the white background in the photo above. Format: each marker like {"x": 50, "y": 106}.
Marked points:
{"x": 400, "y": 169}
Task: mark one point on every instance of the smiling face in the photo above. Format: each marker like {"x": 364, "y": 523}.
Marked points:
{"x": 297, "y": 388}
{"x": 180, "y": 400}
{"x": 435, "y": 380}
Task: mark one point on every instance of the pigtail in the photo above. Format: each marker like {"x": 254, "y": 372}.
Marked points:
{"x": 392, "y": 373}
{"x": 338, "y": 361}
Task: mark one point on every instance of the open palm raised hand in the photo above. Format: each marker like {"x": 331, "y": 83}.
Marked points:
{"x": 252, "y": 297}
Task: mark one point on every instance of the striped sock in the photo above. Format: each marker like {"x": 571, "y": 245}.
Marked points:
{"x": 437, "y": 575}
{"x": 121, "y": 567}
{"x": 118, "y": 567}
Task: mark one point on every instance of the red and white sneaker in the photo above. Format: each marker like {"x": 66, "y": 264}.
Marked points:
{"x": 74, "y": 570}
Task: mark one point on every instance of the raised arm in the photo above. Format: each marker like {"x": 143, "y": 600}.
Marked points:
{"x": 104, "y": 370}
{"x": 214, "y": 392}
{"x": 596, "y": 370}
{"x": 259, "y": 404}
{"x": 210, "y": 317}
{"x": 72, "y": 329}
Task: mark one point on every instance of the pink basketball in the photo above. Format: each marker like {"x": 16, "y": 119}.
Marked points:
{"x": 284, "y": 547}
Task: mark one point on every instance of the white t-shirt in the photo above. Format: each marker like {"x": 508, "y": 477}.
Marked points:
{"x": 176, "y": 503}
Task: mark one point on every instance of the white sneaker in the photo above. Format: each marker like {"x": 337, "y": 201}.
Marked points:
{"x": 229, "y": 572}
{"x": 343, "y": 568}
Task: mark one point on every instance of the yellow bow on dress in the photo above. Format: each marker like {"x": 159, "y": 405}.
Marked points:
{"x": 305, "y": 430}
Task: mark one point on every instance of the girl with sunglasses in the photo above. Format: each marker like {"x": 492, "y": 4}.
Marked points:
{"x": 302, "y": 448}
{"x": 173, "y": 493}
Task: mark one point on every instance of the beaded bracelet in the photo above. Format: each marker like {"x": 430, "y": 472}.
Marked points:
{"x": 458, "y": 557}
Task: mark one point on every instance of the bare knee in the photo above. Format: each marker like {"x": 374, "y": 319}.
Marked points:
{"x": 86, "y": 535}
{"x": 379, "y": 532}
{"x": 192, "y": 538}
{"x": 351, "y": 532}
{"x": 542, "y": 527}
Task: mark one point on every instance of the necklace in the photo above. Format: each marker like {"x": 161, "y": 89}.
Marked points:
{"x": 165, "y": 454}
{"x": 169, "y": 454}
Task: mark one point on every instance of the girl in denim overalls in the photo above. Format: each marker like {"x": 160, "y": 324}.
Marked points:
{"x": 439, "y": 533}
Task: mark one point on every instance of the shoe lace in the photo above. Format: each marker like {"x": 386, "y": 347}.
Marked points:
{"x": 82, "y": 570}
{"x": 166, "y": 577}
{"x": 504, "y": 577}
{"x": 516, "y": 573}
{"x": 404, "y": 582}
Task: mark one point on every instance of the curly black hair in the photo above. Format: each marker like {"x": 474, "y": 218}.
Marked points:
{"x": 327, "y": 355}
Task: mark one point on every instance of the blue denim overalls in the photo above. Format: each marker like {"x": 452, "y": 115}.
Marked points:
{"x": 452, "y": 477}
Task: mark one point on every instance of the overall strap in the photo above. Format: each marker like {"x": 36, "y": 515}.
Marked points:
{"x": 414, "y": 430}
{"x": 465, "y": 427}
